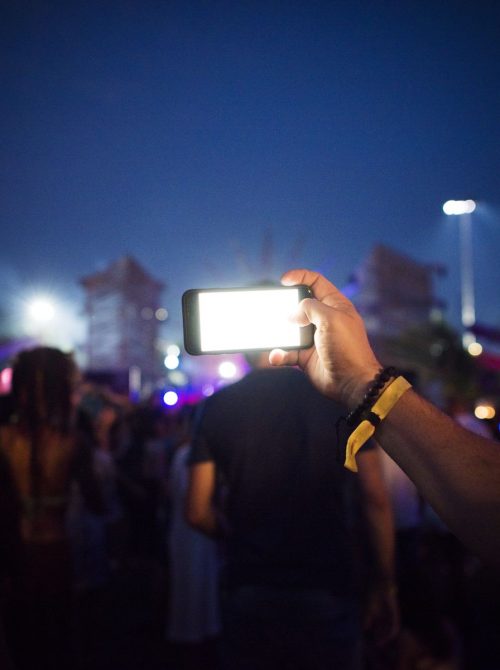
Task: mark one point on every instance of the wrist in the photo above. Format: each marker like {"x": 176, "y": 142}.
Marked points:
{"x": 354, "y": 390}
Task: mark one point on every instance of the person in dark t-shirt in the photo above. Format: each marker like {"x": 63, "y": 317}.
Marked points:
{"x": 291, "y": 596}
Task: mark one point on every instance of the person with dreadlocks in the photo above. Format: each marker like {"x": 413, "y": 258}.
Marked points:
{"x": 42, "y": 452}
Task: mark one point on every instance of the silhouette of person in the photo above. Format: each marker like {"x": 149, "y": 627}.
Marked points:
{"x": 43, "y": 453}
{"x": 292, "y": 595}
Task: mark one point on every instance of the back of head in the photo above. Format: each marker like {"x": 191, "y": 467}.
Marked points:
{"x": 42, "y": 383}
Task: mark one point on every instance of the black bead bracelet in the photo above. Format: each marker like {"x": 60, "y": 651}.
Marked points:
{"x": 371, "y": 395}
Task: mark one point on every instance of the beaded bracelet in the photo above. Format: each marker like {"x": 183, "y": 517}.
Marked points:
{"x": 367, "y": 427}
{"x": 371, "y": 395}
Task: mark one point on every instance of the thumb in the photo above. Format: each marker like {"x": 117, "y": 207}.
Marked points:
{"x": 280, "y": 357}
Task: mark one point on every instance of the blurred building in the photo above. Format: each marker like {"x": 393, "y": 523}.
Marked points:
{"x": 395, "y": 294}
{"x": 123, "y": 313}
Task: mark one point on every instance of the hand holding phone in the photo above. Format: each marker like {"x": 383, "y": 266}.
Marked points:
{"x": 243, "y": 319}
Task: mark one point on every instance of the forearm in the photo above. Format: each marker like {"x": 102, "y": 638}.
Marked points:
{"x": 207, "y": 523}
{"x": 457, "y": 472}
{"x": 379, "y": 519}
{"x": 381, "y": 609}
{"x": 201, "y": 511}
{"x": 381, "y": 535}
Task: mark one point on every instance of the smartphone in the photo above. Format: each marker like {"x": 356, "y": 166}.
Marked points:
{"x": 228, "y": 320}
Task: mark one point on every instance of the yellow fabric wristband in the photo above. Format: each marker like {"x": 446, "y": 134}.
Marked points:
{"x": 381, "y": 409}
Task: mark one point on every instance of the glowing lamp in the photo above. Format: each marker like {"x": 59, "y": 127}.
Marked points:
{"x": 458, "y": 207}
{"x": 41, "y": 310}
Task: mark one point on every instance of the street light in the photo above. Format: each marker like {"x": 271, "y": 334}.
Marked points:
{"x": 40, "y": 317}
{"x": 463, "y": 209}
{"x": 41, "y": 310}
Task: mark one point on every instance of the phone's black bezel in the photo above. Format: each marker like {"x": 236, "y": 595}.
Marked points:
{"x": 191, "y": 320}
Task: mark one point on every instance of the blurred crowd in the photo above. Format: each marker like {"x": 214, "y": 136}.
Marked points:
{"x": 99, "y": 568}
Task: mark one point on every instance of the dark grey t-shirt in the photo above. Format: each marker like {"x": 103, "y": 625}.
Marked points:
{"x": 290, "y": 503}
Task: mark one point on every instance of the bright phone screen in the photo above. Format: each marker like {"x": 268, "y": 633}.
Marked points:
{"x": 238, "y": 320}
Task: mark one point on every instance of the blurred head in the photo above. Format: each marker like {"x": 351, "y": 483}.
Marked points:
{"x": 43, "y": 380}
{"x": 107, "y": 415}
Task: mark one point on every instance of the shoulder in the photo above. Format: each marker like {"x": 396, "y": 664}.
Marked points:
{"x": 223, "y": 396}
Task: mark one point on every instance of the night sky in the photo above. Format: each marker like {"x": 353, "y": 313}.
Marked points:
{"x": 221, "y": 142}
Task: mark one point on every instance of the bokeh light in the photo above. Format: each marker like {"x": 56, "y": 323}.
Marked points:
{"x": 475, "y": 349}
{"x": 5, "y": 380}
{"x": 173, "y": 350}
{"x": 170, "y": 398}
{"x": 485, "y": 411}
{"x": 227, "y": 370}
{"x": 171, "y": 362}
{"x": 178, "y": 378}
{"x": 161, "y": 314}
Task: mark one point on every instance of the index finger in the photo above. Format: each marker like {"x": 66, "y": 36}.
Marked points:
{"x": 322, "y": 289}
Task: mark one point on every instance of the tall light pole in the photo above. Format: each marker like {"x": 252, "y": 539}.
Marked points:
{"x": 463, "y": 209}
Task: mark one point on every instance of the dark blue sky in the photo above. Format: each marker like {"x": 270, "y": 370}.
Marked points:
{"x": 191, "y": 133}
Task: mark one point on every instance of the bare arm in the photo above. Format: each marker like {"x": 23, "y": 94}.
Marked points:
{"x": 200, "y": 511}
{"x": 378, "y": 514}
{"x": 456, "y": 471}
{"x": 382, "y": 614}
